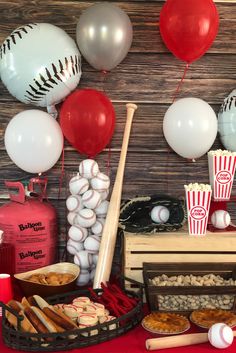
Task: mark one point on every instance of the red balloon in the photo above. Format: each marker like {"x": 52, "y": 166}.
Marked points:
{"x": 87, "y": 120}
{"x": 189, "y": 27}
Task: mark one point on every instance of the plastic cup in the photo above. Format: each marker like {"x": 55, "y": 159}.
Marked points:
{"x": 198, "y": 205}
{"x": 6, "y": 292}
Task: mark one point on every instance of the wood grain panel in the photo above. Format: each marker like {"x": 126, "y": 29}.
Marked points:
{"x": 154, "y": 78}
{"x": 144, "y": 16}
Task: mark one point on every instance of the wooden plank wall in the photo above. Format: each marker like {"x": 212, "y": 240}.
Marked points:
{"x": 148, "y": 76}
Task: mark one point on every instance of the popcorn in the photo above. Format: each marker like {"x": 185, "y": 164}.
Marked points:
{"x": 197, "y": 187}
{"x": 221, "y": 153}
{"x": 198, "y": 197}
{"x": 221, "y": 172}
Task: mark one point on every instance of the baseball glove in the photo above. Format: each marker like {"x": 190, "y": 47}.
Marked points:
{"x": 135, "y": 214}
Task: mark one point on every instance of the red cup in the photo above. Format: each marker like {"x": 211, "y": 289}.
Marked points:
{"x": 6, "y": 292}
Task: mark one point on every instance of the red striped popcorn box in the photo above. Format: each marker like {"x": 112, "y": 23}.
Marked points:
{"x": 198, "y": 205}
{"x": 221, "y": 173}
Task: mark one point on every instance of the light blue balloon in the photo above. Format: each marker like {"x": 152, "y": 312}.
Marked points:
{"x": 227, "y": 122}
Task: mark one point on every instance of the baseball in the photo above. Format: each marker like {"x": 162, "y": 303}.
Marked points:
{"x": 101, "y": 210}
{"x": 83, "y": 259}
{"x": 91, "y": 199}
{"x": 78, "y": 233}
{"x": 98, "y": 226}
{"x": 220, "y": 219}
{"x": 83, "y": 278}
{"x": 73, "y": 247}
{"x": 92, "y": 244}
{"x": 100, "y": 182}
{"x": 220, "y": 335}
{"x": 88, "y": 168}
{"x": 74, "y": 203}
{"x": 95, "y": 259}
{"x": 78, "y": 185}
{"x": 85, "y": 218}
{"x": 92, "y": 274}
{"x": 71, "y": 216}
{"x": 160, "y": 214}
{"x": 104, "y": 194}
{"x": 52, "y": 73}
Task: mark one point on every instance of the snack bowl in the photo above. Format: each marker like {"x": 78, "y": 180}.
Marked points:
{"x": 47, "y": 289}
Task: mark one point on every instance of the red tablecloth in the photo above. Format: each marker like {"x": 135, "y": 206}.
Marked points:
{"x": 134, "y": 342}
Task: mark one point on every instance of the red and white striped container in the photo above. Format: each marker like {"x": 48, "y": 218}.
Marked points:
{"x": 221, "y": 173}
{"x": 198, "y": 205}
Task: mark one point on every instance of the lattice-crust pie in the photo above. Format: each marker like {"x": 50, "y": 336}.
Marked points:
{"x": 207, "y": 317}
{"x": 166, "y": 323}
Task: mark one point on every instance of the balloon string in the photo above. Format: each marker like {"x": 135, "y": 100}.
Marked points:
{"x": 64, "y": 254}
{"x": 62, "y": 171}
{"x": 180, "y": 83}
{"x": 169, "y": 149}
{"x": 104, "y": 76}
{"x": 109, "y": 160}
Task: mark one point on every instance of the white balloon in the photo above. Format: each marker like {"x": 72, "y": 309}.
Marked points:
{"x": 40, "y": 64}
{"x": 190, "y": 127}
{"x": 33, "y": 140}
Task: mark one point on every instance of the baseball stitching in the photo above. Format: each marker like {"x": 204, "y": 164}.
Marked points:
{"x": 86, "y": 217}
{"x": 78, "y": 203}
{"x": 14, "y": 37}
{"x": 83, "y": 187}
{"x": 89, "y": 197}
{"x": 102, "y": 177}
{"x": 92, "y": 169}
{"x": 39, "y": 88}
{"x": 228, "y": 103}
{"x": 224, "y": 219}
{"x": 222, "y": 328}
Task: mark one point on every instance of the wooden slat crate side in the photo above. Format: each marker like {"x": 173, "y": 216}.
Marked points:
{"x": 135, "y": 274}
{"x": 134, "y": 260}
{"x": 179, "y": 241}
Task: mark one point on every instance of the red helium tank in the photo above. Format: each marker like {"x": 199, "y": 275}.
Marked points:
{"x": 30, "y": 224}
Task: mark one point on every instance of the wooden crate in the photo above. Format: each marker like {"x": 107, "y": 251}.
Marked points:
{"x": 176, "y": 247}
{"x": 155, "y": 292}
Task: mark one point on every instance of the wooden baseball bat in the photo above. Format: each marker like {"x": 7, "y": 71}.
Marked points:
{"x": 108, "y": 242}
{"x": 177, "y": 341}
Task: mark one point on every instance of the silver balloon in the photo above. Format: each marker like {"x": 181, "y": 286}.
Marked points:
{"x": 227, "y": 122}
{"x": 104, "y": 35}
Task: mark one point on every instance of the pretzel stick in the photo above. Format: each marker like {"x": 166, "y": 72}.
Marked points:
{"x": 108, "y": 241}
{"x": 177, "y": 341}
